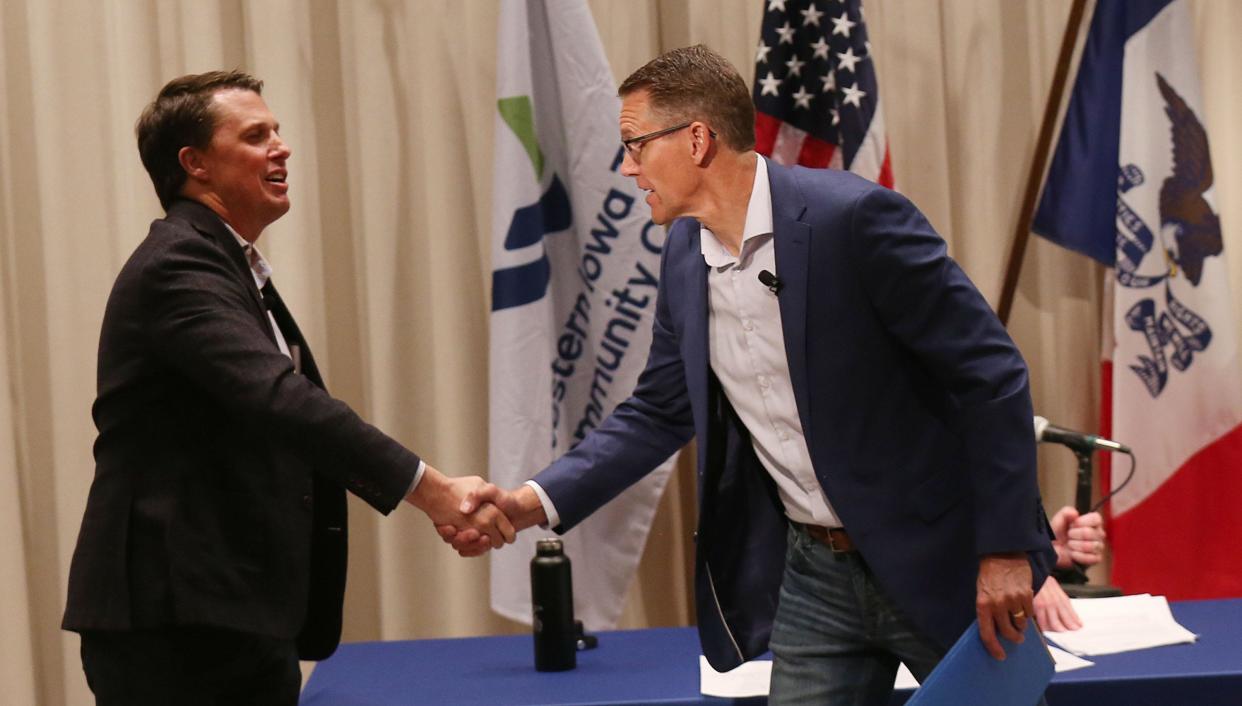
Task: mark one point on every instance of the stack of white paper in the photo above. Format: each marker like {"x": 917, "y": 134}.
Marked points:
{"x": 1122, "y": 624}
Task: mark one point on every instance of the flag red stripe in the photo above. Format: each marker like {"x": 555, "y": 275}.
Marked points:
{"x": 1182, "y": 541}
{"x": 815, "y": 152}
{"x": 886, "y": 169}
{"x": 766, "y": 128}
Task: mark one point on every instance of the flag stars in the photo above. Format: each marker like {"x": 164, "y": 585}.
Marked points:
{"x": 776, "y": 5}
{"x": 853, "y": 96}
{"x": 848, "y": 59}
{"x": 830, "y": 82}
{"x": 802, "y": 99}
{"x": 787, "y": 34}
{"x": 842, "y": 25}
{"x": 761, "y": 54}
{"x": 836, "y": 117}
{"x": 770, "y": 85}
{"x": 810, "y": 16}
{"x": 821, "y": 49}
{"x": 795, "y": 66}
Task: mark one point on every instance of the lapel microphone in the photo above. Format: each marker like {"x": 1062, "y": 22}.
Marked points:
{"x": 771, "y": 281}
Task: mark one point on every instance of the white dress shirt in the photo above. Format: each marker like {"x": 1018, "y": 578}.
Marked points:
{"x": 746, "y": 347}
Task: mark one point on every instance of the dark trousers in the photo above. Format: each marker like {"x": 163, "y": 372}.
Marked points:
{"x": 190, "y": 666}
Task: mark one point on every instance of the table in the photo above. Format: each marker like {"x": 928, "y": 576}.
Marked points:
{"x": 660, "y": 666}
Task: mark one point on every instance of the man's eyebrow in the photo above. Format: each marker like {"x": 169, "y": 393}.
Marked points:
{"x": 259, "y": 122}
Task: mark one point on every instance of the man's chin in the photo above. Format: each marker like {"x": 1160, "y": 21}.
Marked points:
{"x": 276, "y": 211}
{"x": 659, "y": 215}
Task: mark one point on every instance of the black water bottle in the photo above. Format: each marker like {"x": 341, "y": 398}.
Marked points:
{"x": 552, "y": 598}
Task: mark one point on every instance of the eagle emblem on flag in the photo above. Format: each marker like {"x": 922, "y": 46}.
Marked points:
{"x": 1189, "y": 234}
{"x": 1184, "y": 212}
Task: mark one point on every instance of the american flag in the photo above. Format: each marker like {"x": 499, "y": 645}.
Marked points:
{"x": 816, "y": 96}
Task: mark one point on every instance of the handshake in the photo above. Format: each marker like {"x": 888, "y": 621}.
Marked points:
{"x": 473, "y": 515}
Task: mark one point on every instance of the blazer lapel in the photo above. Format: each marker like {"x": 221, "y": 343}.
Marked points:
{"x": 697, "y": 355}
{"x": 205, "y": 221}
{"x": 792, "y": 241}
{"x": 293, "y": 335}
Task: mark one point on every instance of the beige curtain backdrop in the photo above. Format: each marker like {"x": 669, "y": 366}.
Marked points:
{"x": 388, "y": 106}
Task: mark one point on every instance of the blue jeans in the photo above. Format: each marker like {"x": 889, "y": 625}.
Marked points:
{"x": 837, "y": 639}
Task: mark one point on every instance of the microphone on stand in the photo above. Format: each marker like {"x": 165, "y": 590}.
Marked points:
{"x": 1076, "y": 440}
{"x": 1074, "y": 580}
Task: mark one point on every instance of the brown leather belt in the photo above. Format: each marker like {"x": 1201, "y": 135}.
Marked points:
{"x": 834, "y": 538}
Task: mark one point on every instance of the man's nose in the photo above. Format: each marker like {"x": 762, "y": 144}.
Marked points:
{"x": 629, "y": 167}
{"x": 280, "y": 149}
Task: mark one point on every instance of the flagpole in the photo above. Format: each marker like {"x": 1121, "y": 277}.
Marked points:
{"x": 1022, "y": 231}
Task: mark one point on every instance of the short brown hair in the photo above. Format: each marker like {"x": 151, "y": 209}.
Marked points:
{"x": 696, "y": 83}
{"x": 181, "y": 116}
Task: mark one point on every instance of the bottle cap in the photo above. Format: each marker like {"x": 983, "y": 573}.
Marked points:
{"x": 549, "y": 547}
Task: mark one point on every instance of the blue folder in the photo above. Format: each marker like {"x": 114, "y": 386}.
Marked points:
{"x": 969, "y": 676}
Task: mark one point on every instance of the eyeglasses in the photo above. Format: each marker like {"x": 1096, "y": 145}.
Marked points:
{"x": 634, "y": 145}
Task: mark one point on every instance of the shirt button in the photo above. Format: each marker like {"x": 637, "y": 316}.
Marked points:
{"x": 748, "y": 326}
{"x": 763, "y": 381}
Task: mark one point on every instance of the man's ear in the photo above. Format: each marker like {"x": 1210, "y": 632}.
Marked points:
{"x": 702, "y": 143}
{"x": 192, "y": 162}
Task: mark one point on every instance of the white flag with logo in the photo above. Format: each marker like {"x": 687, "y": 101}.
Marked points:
{"x": 575, "y": 261}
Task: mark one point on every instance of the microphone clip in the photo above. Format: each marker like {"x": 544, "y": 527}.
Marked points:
{"x": 771, "y": 281}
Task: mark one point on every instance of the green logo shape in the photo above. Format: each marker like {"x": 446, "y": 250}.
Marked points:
{"x": 519, "y": 115}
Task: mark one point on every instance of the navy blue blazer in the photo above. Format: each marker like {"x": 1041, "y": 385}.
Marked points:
{"x": 913, "y": 399}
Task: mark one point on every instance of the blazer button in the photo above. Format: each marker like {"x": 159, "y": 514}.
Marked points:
{"x": 308, "y": 501}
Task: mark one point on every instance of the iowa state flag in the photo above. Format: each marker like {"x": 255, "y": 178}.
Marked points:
{"x": 1131, "y": 185}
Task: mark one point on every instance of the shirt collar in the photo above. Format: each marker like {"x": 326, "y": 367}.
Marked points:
{"x": 259, "y": 266}
{"x": 758, "y": 221}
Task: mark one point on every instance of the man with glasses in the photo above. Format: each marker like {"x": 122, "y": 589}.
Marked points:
{"x": 865, "y": 452}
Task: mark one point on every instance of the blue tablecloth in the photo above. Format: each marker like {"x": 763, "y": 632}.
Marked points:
{"x": 660, "y": 666}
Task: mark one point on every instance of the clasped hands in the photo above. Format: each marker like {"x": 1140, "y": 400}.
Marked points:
{"x": 473, "y": 515}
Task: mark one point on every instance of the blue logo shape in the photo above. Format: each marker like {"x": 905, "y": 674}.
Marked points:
{"x": 523, "y": 284}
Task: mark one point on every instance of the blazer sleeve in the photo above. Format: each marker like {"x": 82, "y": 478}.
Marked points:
{"x": 927, "y": 302}
{"x": 639, "y": 435}
{"x": 200, "y": 322}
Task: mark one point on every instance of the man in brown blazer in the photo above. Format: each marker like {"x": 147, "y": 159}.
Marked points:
{"x": 212, "y": 552}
